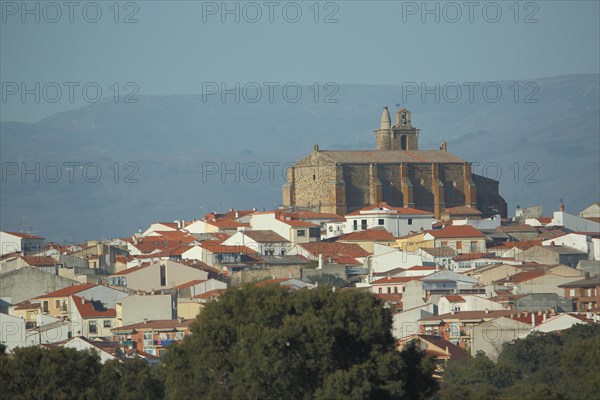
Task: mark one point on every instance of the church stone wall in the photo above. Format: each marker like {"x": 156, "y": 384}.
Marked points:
{"x": 358, "y": 184}
{"x": 314, "y": 185}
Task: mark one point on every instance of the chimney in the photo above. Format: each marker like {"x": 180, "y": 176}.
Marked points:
{"x": 545, "y": 316}
{"x": 533, "y": 320}
{"x": 562, "y": 205}
{"x": 82, "y": 300}
{"x": 487, "y": 310}
{"x": 237, "y": 214}
{"x": 145, "y": 320}
{"x": 320, "y": 261}
{"x": 316, "y": 148}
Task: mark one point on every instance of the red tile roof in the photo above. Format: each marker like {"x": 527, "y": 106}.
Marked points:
{"x": 525, "y": 276}
{"x": 455, "y": 298}
{"x": 174, "y": 236}
{"x": 335, "y": 249}
{"x": 39, "y": 261}
{"x": 421, "y": 268}
{"x": 90, "y": 309}
{"x": 462, "y": 210}
{"x": 190, "y": 283}
{"x": 211, "y": 294}
{"x": 215, "y": 247}
{"x": 227, "y": 224}
{"x": 456, "y": 231}
{"x": 369, "y": 235}
{"x": 265, "y": 236}
{"x": 24, "y": 235}
{"x": 68, "y": 291}
{"x": 299, "y": 224}
{"x": 387, "y": 209}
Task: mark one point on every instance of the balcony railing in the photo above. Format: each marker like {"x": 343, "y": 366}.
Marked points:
{"x": 164, "y": 343}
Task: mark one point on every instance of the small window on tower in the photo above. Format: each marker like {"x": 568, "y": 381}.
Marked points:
{"x": 314, "y": 177}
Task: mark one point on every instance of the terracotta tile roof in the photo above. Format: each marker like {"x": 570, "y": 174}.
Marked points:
{"x": 92, "y": 309}
{"x": 462, "y": 210}
{"x": 595, "y": 219}
{"x": 299, "y": 224}
{"x": 516, "y": 228}
{"x": 335, "y": 249}
{"x": 421, "y": 268}
{"x": 150, "y": 244}
{"x": 190, "y": 283}
{"x": 389, "y": 156}
{"x": 68, "y": 291}
{"x": 211, "y": 294}
{"x": 39, "y": 261}
{"x": 121, "y": 259}
{"x": 174, "y": 236}
{"x": 24, "y": 235}
{"x": 394, "y": 280}
{"x": 180, "y": 250}
{"x": 369, "y": 235}
{"x": 455, "y": 298}
{"x": 588, "y": 282}
{"x": 456, "y": 353}
{"x": 230, "y": 215}
{"x": 524, "y": 276}
{"x": 131, "y": 270}
{"x": 394, "y": 298}
{"x": 265, "y": 236}
{"x": 544, "y": 220}
{"x": 341, "y": 259}
{"x": 26, "y": 305}
{"x": 220, "y": 248}
{"x": 387, "y": 209}
{"x": 159, "y": 324}
{"x": 456, "y": 231}
{"x": 227, "y": 224}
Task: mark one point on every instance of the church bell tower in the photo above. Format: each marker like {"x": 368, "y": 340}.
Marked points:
{"x": 401, "y": 136}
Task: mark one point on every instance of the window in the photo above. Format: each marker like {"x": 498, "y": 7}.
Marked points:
{"x": 301, "y": 232}
{"x": 355, "y": 224}
{"x": 380, "y": 221}
{"x": 163, "y": 275}
{"x": 107, "y": 323}
{"x": 380, "y": 290}
{"x": 410, "y": 221}
{"x": 363, "y": 224}
{"x": 389, "y": 290}
{"x": 93, "y": 327}
{"x": 56, "y": 303}
{"x": 458, "y": 245}
{"x": 45, "y": 306}
{"x": 395, "y": 289}
{"x": 572, "y": 292}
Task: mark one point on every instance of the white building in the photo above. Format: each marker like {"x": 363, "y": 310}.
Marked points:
{"x": 385, "y": 258}
{"x": 11, "y": 242}
{"x": 264, "y": 242}
{"x": 399, "y": 221}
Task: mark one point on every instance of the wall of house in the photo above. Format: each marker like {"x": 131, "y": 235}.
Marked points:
{"x": 136, "y": 308}
{"x": 29, "y": 282}
{"x": 489, "y": 336}
{"x": 545, "y": 284}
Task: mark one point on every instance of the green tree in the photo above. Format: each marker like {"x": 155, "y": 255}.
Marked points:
{"x": 131, "y": 379}
{"x": 268, "y": 342}
{"x": 57, "y": 373}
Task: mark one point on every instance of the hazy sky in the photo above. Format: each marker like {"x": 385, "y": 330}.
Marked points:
{"x": 175, "y": 46}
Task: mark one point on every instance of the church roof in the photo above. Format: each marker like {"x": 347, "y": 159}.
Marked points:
{"x": 390, "y": 156}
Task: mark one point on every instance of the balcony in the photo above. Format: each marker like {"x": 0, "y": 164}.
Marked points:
{"x": 129, "y": 343}
{"x": 164, "y": 343}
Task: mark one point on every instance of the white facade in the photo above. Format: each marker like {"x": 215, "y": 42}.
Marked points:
{"x": 405, "y": 323}
{"x": 574, "y": 223}
{"x": 486, "y": 223}
{"x": 471, "y": 303}
{"x": 13, "y": 332}
{"x": 157, "y": 227}
{"x": 80, "y": 344}
{"x": 388, "y": 218}
{"x": 263, "y": 248}
{"x": 10, "y": 243}
{"x": 385, "y": 258}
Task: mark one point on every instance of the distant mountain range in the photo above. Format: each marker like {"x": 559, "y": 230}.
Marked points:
{"x": 540, "y": 151}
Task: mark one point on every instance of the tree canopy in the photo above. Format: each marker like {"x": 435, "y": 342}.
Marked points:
{"x": 561, "y": 366}
{"x": 261, "y": 343}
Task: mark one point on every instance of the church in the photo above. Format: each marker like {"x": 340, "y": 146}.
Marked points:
{"x": 397, "y": 172}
